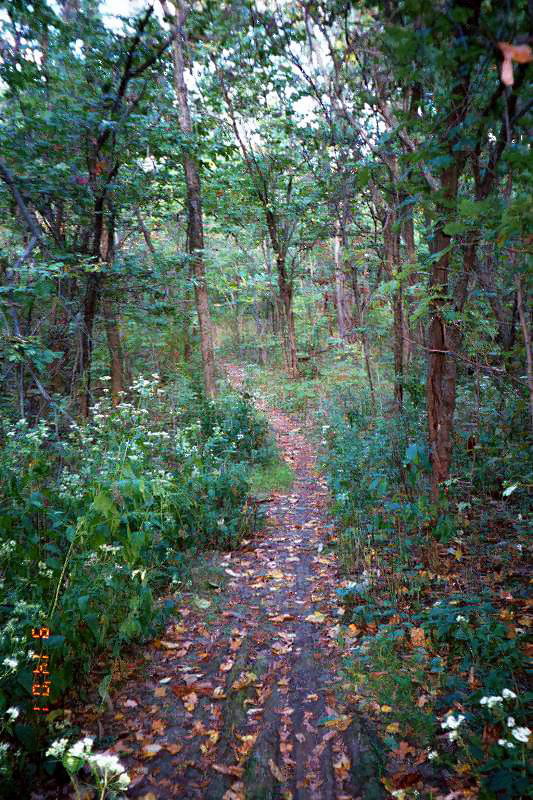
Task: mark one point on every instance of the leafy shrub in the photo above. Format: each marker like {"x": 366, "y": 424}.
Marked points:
{"x": 93, "y": 522}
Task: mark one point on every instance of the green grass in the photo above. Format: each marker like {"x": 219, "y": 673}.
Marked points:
{"x": 274, "y": 477}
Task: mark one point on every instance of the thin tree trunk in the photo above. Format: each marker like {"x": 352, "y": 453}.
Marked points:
{"x": 392, "y": 267}
{"x": 145, "y": 232}
{"x": 442, "y": 369}
{"x": 195, "y": 232}
{"x": 114, "y": 344}
{"x": 90, "y": 304}
{"x": 527, "y": 341}
{"x": 360, "y": 323}
{"x": 285, "y": 292}
{"x": 343, "y": 291}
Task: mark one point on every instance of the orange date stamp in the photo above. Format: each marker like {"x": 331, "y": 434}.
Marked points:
{"x": 41, "y": 681}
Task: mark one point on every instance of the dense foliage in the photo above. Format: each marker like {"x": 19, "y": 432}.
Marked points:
{"x": 338, "y": 194}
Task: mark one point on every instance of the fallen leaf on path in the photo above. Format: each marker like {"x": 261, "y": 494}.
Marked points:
{"x": 190, "y": 701}
{"x": 341, "y": 723}
{"x": 418, "y": 637}
{"x": 244, "y": 679}
{"x": 234, "y": 770}
{"x": 150, "y": 750}
{"x": 226, "y": 665}
{"x": 317, "y": 617}
{"x": 394, "y": 727}
{"x": 276, "y": 771}
{"x": 158, "y": 727}
{"x": 342, "y": 766}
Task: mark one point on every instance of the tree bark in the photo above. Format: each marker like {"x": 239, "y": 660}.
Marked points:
{"x": 342, "y": 289}
{"x": 195, "y": 231}
{"x": 114, "y": 345}
{"x": 527, "y": 341}
{"x": 391, "y": 240}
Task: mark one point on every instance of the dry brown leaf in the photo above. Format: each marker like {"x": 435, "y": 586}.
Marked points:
{"x": 158, "y": 727}
{"x": 160, "y": 691}
{"x": 245, "y": 679}
{"x": 521, "y": 53}
{"x": 418, "y": 637}
{"x": 224, "y": 770}
{"x": 226, "y": 665}
{"x": 190, "y": 701}
{"x": 342, "y": 766}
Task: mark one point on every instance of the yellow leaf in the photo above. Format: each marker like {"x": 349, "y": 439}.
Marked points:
{"x": 394, "y": 727}
{"x": 386, "y": 709}
{"x": 318, "y": 617}
{"x": 339, "y": 723}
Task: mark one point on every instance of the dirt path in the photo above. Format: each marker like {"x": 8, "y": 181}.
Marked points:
{"x": 244, "y": 700}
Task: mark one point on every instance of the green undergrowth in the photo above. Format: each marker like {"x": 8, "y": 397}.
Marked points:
{"x": 99, "y": 520}
{"x": 435, "y": 595}
{"x": 276, "y": 476}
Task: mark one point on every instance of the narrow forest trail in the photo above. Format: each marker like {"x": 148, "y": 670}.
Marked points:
{"x": 247, "y": 702}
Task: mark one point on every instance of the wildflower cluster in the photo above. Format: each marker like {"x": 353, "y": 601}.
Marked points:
{"x": 97, "y": 520}
{"x": 106, "y": 769}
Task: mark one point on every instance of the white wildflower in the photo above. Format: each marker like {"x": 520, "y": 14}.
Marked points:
{"x": 12, "y": 663}
{"x": 521, "y": 734}
{"x": 13, "y": 713}
{"x": 508, "y": 694}
{"x": 452, "y": 735}
{"x": 81, "y": 748}
{"x": 511, "y": 722}
{"x": 452, "y": 722}
{"x": 491, "y": 701}
{"x": 505, "y": 743}
{"x": 107, "y": 763}
{"x": 124, "y": 781}
{"x": 57, "y": 748}
{"x": 460, "y": 618}
{"x": 432, "y": 755}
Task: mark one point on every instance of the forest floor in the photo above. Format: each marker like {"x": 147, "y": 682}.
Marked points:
{"x": 242, "y": 696}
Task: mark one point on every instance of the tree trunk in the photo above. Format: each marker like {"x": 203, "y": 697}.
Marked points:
{"x": 342, "y": 289}
{"x": 195, "y": 232}
{"x": 442, "y": 369}
{"x": 114, "y": 344}
{"x": 360, "y": 323}
{"x": 527, "y": 341}
{"x": 392, "y": 266}
{"x": 285, "y": 292}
